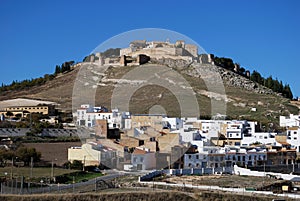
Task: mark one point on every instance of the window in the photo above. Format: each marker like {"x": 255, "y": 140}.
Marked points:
{"x": 190, "y": 156}
{"x": 197, "y": 156}
{"x": 295, "y": 138}
{"x": 134, "y": 159}
{"x": 230, "y": 135}
{"x": 142, "y": 159}
{"x": 295, "y": 132}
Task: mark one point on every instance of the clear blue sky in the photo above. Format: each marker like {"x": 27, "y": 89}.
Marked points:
{"x": 262, "y": 35}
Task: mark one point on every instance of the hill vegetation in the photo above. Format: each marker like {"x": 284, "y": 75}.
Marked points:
{"x": 26, "y": 84}
{"x": 243, "y": 92}
{"x": 274, "y": 84}
{"x": 227, "y": 63}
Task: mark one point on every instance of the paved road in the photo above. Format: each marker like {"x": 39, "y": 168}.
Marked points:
{"x": 60, "y": 187}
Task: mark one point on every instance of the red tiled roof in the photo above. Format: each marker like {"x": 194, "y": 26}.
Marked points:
{"x": 139, "y": 152}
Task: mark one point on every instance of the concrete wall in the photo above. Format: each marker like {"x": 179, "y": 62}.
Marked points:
{"x": 85, "y": 154}
{"x": 244, "y": 171}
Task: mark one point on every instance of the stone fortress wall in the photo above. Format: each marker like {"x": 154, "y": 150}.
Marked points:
{"x": 141, "y": 51}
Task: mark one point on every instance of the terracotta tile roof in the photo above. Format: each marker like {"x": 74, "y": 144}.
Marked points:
{"x": 139, "y": 152}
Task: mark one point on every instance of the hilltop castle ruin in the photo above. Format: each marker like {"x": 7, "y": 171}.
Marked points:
{"x": 141, "y": 51}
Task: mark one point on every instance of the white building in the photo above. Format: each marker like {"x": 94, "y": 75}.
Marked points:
{"x": 197, "y": 160}
{"x": 91, "y": 154}
{"x": 293, "y": 137}
{"x": 143, "y": 159}
{"x": 225, "y": 157}
{"x": 289, "y": 121}
{"x": 173, "y": 122}
{"x": 87, "y": 116}
{"x": 263, "y": 138}
{"x": 239, "y": 129}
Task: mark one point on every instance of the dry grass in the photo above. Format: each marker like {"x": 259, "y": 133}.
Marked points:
{"x": 223, "y": 180}
{"x": 36, "y": 172}
{"x": 61, "y": 88}
{"x": 140, "y": 196}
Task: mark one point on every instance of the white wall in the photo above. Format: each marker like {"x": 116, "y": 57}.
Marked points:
{"x": 289, "y": 121}
{"x": 147, "y": 160}
{"x": 264, "y": 138}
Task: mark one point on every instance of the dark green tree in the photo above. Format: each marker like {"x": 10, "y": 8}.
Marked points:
{"x": 57, "y": 69}
{"x": 25, "y": 153}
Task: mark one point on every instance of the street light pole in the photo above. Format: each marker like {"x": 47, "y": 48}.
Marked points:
{"x": 11, "y": 171}
{"x": 31, "y": 166}
{"x": 52, "y": 169}
{"x": 83, "y": 163}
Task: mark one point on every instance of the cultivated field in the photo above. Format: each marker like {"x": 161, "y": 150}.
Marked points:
{"x": 56, "y": 152}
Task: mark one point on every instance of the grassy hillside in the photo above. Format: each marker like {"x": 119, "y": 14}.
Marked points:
{"x": 60, "y": 89}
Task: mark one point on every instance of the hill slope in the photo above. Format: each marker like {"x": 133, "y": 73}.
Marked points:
{"x": 242, "y": 94}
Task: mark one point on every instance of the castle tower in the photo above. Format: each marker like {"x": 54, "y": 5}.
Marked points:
{"x": 100, "y": 60}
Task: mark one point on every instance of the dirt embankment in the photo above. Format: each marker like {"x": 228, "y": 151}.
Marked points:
{"x": 138, "y": 196}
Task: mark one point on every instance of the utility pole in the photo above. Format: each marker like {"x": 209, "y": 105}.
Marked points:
{"x": 52, "y": 171}
{"x": 11, "y": 171}
{"x": 31, "y": 166}
{"x": 73, "y": 184}
{"x": 83, "y": 163}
